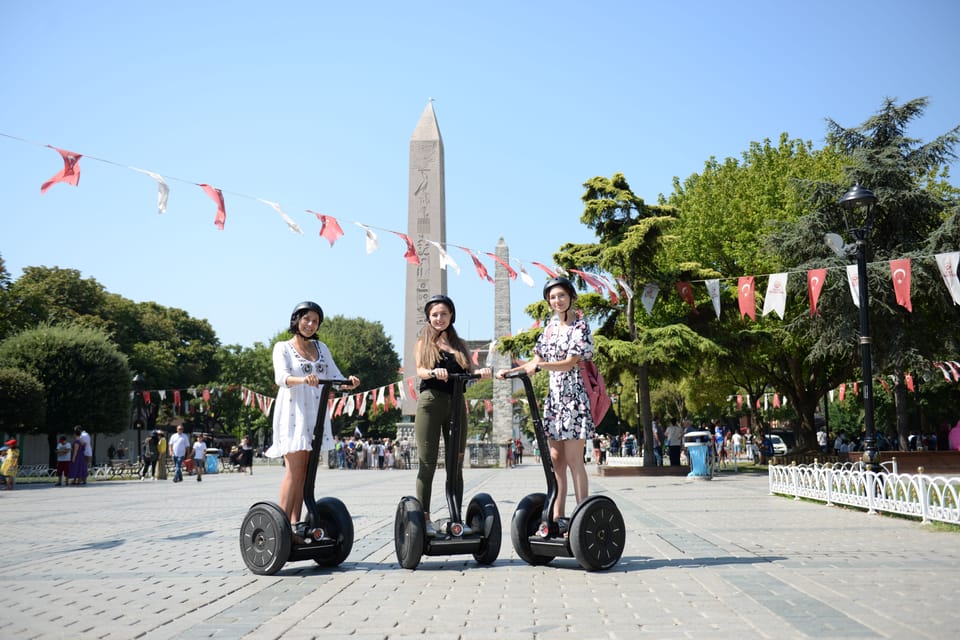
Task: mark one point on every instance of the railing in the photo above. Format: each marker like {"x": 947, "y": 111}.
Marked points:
{"x": 914, "y": 495}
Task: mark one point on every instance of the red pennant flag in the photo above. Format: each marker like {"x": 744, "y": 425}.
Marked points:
{"x": 885, "y": 384}
{"x": 146, "y": 397}
{"x": 339, "y": 402}
{"x": 70, "y": 172}
{"x": 746, "y": 296}
{"x": 481, "y": 270}
{"x": 411, "y": 388}
{"x": 217, "y": 196}
{"x": 536, "y": 324}
{"x": 393, "y": 397}
{"x": 739, "y": 402}
{"x": 550, "y": 273}
{"x": 411, "y": 254}
{"x": 776, "y": 401}
{"x": 843, "y": 391}
{"x": 909, "y": 379}
{"x": 206, "y": 395}
{"x": 590, "y": 280}
{"x": 856, "y": 388}
{"x": 476, "y": 357}
{"x": 329, "y": 227}
{"x": 686, "y": 294}
{"x": 900, "y": 270}
{"x": 510, "y": 271}
{"x": 815, "y": 280}
{"x": 488, "y": 406}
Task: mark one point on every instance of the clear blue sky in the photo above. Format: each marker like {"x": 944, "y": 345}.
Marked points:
{"x": 312, "y": 104}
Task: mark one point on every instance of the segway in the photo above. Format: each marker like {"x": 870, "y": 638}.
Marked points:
{"x": 596, "y": 532}
{"x": 266, "y": 535}
{"x": 479, "y": 533}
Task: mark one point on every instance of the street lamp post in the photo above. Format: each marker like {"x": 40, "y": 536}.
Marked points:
{"x": 616, "y": 387}
{"x": 138, "y": 417}
{"x": 856, "y": 199}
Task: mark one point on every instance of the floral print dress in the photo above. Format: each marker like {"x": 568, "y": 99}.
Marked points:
{"x": 566, "y": 409}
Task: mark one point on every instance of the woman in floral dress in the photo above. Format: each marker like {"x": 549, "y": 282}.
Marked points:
{"x": 566, "y": 409}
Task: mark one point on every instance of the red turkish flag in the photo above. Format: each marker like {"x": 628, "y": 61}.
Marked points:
{"x": 329, "y": 227}
{"x": 411, "y": 254}
{"x": 70, "y": 172}
{"x": 815, "y": 280}
{"x": 217, "y": 196}
{"x": 510, "y": 270}
{"x": 146, "y": 397}
{"x": 686, "y": 294}
{"x": 481, "y": 270}
{"x": 590, "y": 280}
{"x": 900, "y": 270}
{"x": 545, "y": 269}
{"x": 746, "y": 297}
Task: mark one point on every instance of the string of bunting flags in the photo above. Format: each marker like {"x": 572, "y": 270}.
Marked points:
{"x": 331, "y": 230}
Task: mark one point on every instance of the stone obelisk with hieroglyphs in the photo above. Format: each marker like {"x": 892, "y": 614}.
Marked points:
{"x": 426, "y": 222}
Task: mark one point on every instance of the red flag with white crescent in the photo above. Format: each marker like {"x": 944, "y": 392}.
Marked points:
{"x": 686, "y": 294}
{"x": 746, "y": 297}
{"x": 329, "y": 227}
{"x": 70, "y": 172}
{"x": 900, "y": 270}
{"x": 815, "y": 280}
{"x": 217, "y": 196}
{"x": 411, "y": 254}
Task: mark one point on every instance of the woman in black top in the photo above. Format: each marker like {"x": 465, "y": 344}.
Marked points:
{"x": 438, "y": 353}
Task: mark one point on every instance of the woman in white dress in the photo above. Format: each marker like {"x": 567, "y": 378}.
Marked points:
{"x": 299, "y": 364}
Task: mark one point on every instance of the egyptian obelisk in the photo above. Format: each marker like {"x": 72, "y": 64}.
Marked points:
{"x": 426, "y": 221}
{"x": 503, "y": 424}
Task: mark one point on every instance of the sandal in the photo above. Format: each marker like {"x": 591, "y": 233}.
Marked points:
{"x": 563, "y": 525}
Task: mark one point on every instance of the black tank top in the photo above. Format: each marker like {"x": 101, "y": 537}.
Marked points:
{"x": 449, "y": 362}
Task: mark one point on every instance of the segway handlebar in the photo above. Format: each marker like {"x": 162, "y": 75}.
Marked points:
{"x": 515, "y": 374}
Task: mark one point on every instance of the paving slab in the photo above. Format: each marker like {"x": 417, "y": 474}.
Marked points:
{"x": 718, "y": 559}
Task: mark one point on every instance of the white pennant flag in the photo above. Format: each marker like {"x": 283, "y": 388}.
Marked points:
{"x": 401, "y": 393}
{"x": 854, "y": 281}
{"x": 445, "y": 259}
{"x": 649, "y": 296}
{"x": 290, "y": 223}
{"x": 776, "y": 298}
{"x": 383, "y": 392}
{"x": 947, "y": 262}
{"x": 351, "y": 405}
{"x": 363, "y": 403}
{"x": 526, "y": 277}
{"x": 163, "y": 191}
{"x": 372, "y": 243}
{"x": 713, "y": 290}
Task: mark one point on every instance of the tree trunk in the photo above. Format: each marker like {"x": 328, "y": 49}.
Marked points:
{"x": 646, "y": 414}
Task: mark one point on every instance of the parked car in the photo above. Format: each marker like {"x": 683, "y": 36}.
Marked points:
{"x": 778, "y": 445}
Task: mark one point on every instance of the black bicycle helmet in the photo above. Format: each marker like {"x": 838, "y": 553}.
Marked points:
{"x": 559, "y": 282}
{"x": 300, "y": 310}
{"x": 445, "y": 300}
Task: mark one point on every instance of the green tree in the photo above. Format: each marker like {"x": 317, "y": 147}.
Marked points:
{"x": 53, "y": 295}
{"x": 85, "y": 377}
{"x": 22, "y": 403}
{"x": 726, "y": 214}
{"x": 915, "y": 217}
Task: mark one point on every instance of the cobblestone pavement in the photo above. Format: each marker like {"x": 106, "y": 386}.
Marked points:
{"x": 718, "y": 559}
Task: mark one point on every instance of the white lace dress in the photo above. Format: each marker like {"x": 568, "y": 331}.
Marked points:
{"x": 296, "y": 408}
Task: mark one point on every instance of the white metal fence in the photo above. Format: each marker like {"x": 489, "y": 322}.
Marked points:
{"x": 916, "y": 495}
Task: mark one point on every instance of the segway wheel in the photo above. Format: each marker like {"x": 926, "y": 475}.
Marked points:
{"x": 336, "y": 522}
{"x": 409, "y": 532}
{"x": 484, "y": 518}
{"x": 525, "y": 523}
{"x": 597, "y": 533}
{"x": 265, "y": 538}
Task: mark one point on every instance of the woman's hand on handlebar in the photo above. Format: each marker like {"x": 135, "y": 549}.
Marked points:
{"x": 352, "y": 383}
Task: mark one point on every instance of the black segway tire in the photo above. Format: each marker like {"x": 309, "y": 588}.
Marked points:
{"x": 484, "y": 518}
{"x": 409, "y": 532}
{"x": 337, "y": 524}
{"x": 265, "y": 538}
{"x": 525, "y": 523}
{"x": 597, "y": 533}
